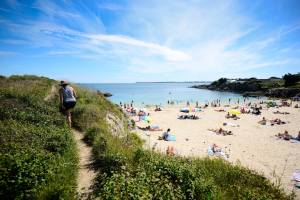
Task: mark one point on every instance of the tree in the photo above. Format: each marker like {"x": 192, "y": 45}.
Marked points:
{"x": 222, "y": 81}
{"x": 274, "y": 77}
{"x": 291, "y": 79}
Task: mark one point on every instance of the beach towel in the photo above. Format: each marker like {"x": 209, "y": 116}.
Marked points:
{"x": 156, "y": 127}
{"x": 296, "y": 176}
{"x": 217, "y": 154}
{"x": 233, "y": 125}
{"x": 267, "y": 124}
{"x": 210, "y": 150}
{"x": 171, "y": 138}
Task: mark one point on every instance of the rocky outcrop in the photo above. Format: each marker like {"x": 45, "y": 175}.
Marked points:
{"x": 119, "y": 125}
{"x": 106, "y": 94}
{"x": 283, "y": 92}
{"x": 252, "y": 87}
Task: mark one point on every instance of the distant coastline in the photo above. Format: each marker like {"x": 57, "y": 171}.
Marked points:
{"x": 178, "y": 82}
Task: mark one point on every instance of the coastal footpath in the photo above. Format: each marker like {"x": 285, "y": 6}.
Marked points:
{"x": 253, "y": 87}
{"x": 40, "y": 156}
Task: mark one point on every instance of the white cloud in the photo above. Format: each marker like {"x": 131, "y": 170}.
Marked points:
{"x": 15, "y": 41}
{"x": 6, "y": 53}
{"x": 157, "y": 49}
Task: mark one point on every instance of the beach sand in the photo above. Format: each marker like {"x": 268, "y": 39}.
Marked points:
{"x": 254, "y": 145}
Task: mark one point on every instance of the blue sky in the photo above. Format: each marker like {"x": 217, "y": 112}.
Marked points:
{"x": 92, "y": 41}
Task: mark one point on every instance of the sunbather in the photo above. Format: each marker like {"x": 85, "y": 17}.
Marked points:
{"x": 227, "y": 116}
{"x": 296, "y": 106}
{"x": 298, "y": 136}
{"x": 221, "y": 110}
{"x": 170, "y": 151}
{"x": 153, "y": 129}
{"x": 284, "y": 113}
{"x": 263, "y": 121}
{"x": 285, "y": 135}
{"x": 215, "y": 148}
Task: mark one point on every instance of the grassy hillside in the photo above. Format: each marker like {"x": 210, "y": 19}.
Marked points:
{"x": 38, "y": 158}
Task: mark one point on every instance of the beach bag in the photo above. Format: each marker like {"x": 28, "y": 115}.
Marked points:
{"x": 171, "y": 138}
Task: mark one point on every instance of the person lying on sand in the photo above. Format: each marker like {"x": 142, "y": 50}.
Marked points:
{"x": 157, "y": 109}
{"x": 237, "y": 107}
{"x": 284, "y": 113}
{"x": 153, "y": 129}
{"x": 218, "y": 151}
{"x": 221, "y": 131}
{"x": 275, "y": 120}
{"x": 221, "y": 110}
{"x": 215, "y": 148}
{"x": 171, "y": 151}
{"x": 285, "y": 135}
{"x": 227, "y": 116}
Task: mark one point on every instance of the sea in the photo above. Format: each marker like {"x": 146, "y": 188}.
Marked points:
{"x": 143, "y": 94}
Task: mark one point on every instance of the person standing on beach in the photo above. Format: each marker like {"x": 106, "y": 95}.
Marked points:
{"x": 238, "y": 101}
{"x": 67, "y": 99}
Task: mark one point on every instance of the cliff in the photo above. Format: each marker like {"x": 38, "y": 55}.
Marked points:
{"x": 283, "y": 92}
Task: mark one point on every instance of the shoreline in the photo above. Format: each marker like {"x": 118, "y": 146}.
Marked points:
{"x": 194, "y": 106}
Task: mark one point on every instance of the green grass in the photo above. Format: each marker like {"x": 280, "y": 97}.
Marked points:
{"x": 38, "y": 158}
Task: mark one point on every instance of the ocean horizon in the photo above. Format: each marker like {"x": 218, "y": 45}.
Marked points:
{"x": 155, "y": 93}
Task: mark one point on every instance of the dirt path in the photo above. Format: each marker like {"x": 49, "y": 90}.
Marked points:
{"x": 86, "y": 173}
{"x": 53, "y": 90}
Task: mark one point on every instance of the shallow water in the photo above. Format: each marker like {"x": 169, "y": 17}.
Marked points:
{"x": 155, "y": 93}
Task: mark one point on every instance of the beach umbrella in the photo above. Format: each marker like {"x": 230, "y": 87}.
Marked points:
{"x": 296, "y": 97}
{"x": 143, "y": 109}
{"x": 194, "y": 109}
{"x": 128, "y": 108}
{"x": 146, "y": 118}
{"x": 160, "y": 105}
{"x": 234, "y": 112}
{"x": 134, "y": 108}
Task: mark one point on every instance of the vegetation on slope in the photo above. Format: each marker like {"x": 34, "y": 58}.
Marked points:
{"x": 38, "y": 155}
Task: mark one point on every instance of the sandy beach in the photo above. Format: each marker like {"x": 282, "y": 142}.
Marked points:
{"x": 252, "y": 144}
